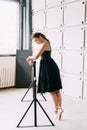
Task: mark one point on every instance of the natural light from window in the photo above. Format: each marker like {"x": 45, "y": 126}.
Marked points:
{"x": 9, "y": 27}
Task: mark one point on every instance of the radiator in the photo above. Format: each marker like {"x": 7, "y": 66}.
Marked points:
{"x": 7, "y": 71}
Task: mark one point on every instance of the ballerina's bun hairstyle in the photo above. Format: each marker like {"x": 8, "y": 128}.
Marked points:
{"x": 38, "y": 34}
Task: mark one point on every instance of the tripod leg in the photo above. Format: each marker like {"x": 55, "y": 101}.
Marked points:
{"x": 25, "y": 114}
{"x": 43, "y": 97}
{"x": 27, "y": 91}
{"x": 45, "y": 112}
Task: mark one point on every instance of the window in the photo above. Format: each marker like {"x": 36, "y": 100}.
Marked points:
{"x": 9, "y": 27}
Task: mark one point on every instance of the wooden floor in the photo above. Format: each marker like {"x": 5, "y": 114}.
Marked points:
{"x": 12, "y": 109}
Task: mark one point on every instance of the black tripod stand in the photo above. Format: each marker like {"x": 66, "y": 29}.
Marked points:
{"x": 30, "y": 86}
{"x": 35, "y": 101}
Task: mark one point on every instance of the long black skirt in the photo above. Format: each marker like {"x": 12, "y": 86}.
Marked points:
{"x": 49, "y": 79}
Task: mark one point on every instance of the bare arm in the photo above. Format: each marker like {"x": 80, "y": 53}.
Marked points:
{"x": 31, "y": 58}
{"x": 40, "y": 52}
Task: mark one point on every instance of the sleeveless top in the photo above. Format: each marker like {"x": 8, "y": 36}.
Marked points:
{"x": 46, "y": 55}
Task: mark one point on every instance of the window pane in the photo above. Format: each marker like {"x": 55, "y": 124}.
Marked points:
{"x": 9, "y": 27}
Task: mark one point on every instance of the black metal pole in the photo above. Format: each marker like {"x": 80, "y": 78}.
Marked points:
{"x": 34, "y": 96}
{"x": 35, "y": 101}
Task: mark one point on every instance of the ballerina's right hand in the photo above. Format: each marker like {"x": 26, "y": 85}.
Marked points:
{"x": 30, "y": 60}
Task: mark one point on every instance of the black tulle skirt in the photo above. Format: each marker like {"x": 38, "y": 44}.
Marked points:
{"x": 49, "y": 76}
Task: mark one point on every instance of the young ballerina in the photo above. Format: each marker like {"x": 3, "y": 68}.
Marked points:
{"x": 49, "y": 76}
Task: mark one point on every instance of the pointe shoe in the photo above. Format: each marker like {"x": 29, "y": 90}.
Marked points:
{"x": 60, "y": 111}
{"x": 56, "y": 111}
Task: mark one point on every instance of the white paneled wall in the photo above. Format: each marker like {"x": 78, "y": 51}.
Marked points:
{"x": 53, "y": 17}
{"x": 85, "y": 63}
{"x": 72, "y": 85}
{"x": 85, "y": 87}
{"x": 73, "y": 62}
{"x": 55, "y": 40}
{"x": 51, "y": 3}
{"x": 71, "y": 40}
{"x": 38, "y": 5}
{"x": 64, "y": 22}
{"x": 38, "y": 19}
{"x": 74, "y": 13}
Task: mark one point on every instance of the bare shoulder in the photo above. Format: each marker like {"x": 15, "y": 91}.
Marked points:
{"x": 47, "y": 45}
